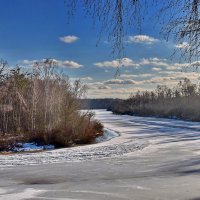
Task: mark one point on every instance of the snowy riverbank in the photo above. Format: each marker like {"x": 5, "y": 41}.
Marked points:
{"x": 136, "y": 133}
{"x": 109, "y": 145}
{"x": 33, "y": 147}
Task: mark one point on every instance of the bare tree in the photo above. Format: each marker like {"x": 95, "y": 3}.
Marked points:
{"x": 115, "y": 16}
{"x": 3, "y": 64}
{"x": 43, "y": 106}
{"x": 181, "y": 21}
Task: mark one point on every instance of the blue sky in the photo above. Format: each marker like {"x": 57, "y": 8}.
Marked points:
{"x": 36, "y": 29}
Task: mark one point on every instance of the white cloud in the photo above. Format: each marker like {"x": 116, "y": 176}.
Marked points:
{"x": 28, "y": 62}
{"x": 69, "y": 39}
{"x": 176, "y": 66}
{"x": 193, "y": 76}
{"x": 111, "y": 92}
{"x": 125, "y": 62}
{"x": 171, "y": 78}
{"x": 104, "y": 87}
{"x": 116, "y": 88}
{"x": 158, "y": 80}
{"x": 68, "y": 64}
{"x": 156, "y": 63}
{"x": 129, "y": 76}
{"x": 159, "y": 62}
{"x": 183, "y": 45}
{"x": 88, "y": 78}
{"x": 58, "y": 63}
{"x": 156, "y": 69}
{"x": 195, "y": 63}
{"x": 120, "y": 82}
{"x": 122, "y": 87}
{"x": 145, "y": 39}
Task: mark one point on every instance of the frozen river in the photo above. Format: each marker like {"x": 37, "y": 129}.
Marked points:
{"x": 151, "y": 159}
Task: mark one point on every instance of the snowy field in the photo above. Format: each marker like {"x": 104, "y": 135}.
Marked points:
{"x": 142, "y": 158}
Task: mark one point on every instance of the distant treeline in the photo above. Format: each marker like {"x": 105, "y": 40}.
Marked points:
{"x": 107, "y": 103}
{"x": 181, "y": 101}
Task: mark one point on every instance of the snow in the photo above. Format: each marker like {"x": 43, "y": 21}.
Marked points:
{"x": 108, "y": 135}
{"x": 32, "y": 147}
{"x": 27, "y": 193}
{"x": 149, "y": 158}
{"x": 124, "y": 135}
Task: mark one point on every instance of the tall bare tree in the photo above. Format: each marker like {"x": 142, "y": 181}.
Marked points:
{"x": 181, "y": 21}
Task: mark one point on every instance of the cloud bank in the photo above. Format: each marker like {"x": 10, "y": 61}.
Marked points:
{"x": 57, "y": 63}
{"x": 143, "y": 39}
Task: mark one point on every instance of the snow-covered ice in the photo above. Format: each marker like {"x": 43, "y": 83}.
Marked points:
{"x": 152, "y": 158}
{"x": 32, "y": 147}
{"x": 108, "y": 135}
{"x": 29, "y": 193}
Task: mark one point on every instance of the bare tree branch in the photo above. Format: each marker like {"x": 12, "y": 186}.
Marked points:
{"x": 117, "y": 17}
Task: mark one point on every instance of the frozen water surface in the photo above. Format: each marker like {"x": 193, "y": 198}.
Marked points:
{"x": 151, "y": 158}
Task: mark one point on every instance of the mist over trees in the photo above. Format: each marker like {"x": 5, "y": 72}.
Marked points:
{"x": 181, "y": 101}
